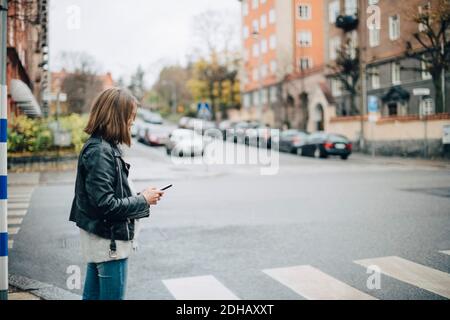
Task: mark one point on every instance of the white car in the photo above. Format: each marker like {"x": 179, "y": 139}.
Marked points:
{"x": 184, "y": 142}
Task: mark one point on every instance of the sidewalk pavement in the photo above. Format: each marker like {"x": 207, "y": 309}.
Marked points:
{"x": 23, "y": 288}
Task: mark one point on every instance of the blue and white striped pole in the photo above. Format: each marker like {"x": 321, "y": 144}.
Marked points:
{"x": 3, "y": 156}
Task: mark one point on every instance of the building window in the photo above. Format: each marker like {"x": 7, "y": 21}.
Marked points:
{"x": 273, "y": 94}
{"x": 246, "y": 55}
{"x": 264, "y": 71}
{"x": 304, "y": 12}
{"x": 247, "y": 101}
{"x": 255, "y": 4}
{"x": 427, "y": 106}
{"x": 351, "y": 7}
{"x": 255, "y": 26}
{"x": 335, "y": 46}
{"x": 255, "y": 50}
{"x": 264, "y": 94}
{"x": 255, "y": 76}
{"x": 374, "y": 37}
{"x": 394, "y": 27}
{"x": 336, "y": 88}
{"x": 305, "y": 63}
{"x": 272, "y": 16}
{"x": 245, "y": 8}
{"x": 374, "y": 75}
{"x": 334, "y": 10}
{"x": 396, "y": 73}
{"x": 273, "y": 42}
{"x": 263, "y": 46}
{"x": 353, "y": 44}
{"x": 273, "y": 66}
{"x": 423, "y": 10}
{"x": 246, "y": 32}
{"x": 256, "y": 98}
{"x": 304, "y": 38}
{"x": 263, "y": 21}
{"x": 425, "y": 74}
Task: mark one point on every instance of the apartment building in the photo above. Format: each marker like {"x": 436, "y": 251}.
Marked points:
{"x": 283, "y": 59}
{"x": 27, "y": 56}
{"x": 394, "y": 85}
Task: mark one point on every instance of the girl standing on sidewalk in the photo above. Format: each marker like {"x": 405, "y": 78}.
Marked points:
{"x": 105, "y": 208}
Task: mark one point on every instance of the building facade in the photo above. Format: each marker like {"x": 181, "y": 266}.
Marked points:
{"x": 397, "y": 88}
{"x": 283, "y": 61}
{"x": 27, "y": 57}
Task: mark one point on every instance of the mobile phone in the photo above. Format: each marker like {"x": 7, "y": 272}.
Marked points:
{"x": 166, "y": 187}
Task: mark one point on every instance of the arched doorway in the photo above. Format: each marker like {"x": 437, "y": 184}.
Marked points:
{"x": 319, "y": 117}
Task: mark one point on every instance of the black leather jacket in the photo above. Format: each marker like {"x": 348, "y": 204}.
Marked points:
{"x": 103, "y": 202}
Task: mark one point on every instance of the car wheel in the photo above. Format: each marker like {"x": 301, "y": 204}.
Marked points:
{"x": 344, "y": 157}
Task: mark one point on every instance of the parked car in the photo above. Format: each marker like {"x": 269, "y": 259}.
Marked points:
{"x": 323, "y": 145}
{"x": 225, "y": 125}
{"x": 236, "y": 133}
{"x": 135, "y": 127}
{"x": 261, "y": 136}
{"x": 182, "y": 124}
{"x": 153, "y": 118}
{"x": 155, "y": 135}
{"x": 185, "y": 142}
{"x": 292, "y": 140}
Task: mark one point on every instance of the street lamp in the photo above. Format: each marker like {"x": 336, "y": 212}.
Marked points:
{"x": 256, "y": 36}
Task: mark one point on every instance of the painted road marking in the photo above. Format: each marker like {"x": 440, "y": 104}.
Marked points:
{"x": 447, "y": 252}
{"x": 13, "y": 230}
{"x": 314, "y": 284}
{"x": 14, "y": 221}
{"x": 413, "y": 273}
{"x": 199, "y": 288}
{"x": 10, "y": 244}
{"x": 23, "y": 205}
{"x": 17, "y": 213}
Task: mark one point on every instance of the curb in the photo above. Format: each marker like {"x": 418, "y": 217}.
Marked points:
{"x": 40, "y": 289}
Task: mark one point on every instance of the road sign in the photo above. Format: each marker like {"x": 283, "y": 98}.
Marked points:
{"x": 421, "y": 92}
{"x": 372, "y": 104}
{"x": 204, "y": 110}
{"x": 446, "y": 136}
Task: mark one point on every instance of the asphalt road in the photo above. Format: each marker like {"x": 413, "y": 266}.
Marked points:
{"x": 228, "y": 230}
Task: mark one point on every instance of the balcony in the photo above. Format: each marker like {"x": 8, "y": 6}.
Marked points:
{"x": 347, "y": 23}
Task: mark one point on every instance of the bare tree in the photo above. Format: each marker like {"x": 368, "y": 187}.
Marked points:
{"x": 431, "y": 45}
{"x": 215, "y": 32}
{"x": 81, "y": 84}
{"x": 346, "y": 69}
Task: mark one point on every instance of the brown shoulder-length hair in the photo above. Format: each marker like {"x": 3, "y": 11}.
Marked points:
{"x": 111, "y": 115}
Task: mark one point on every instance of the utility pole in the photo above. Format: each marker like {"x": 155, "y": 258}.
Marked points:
{"x": 362, "y": 62}
{"x": 4, "y": 285}
{"x": 257, "y": 37}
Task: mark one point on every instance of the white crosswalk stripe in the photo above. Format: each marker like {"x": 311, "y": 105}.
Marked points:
{"x": 413, "y": 273}
{"x": 14, "y": 221}
{"x": 314, "y": 284}
{"x": 13, "y": 230}
{"x": 447, "y": 252}
{"x": 18, "y": 203}
{"x": 199, "y": 288}
{"x": 16, "y": 213}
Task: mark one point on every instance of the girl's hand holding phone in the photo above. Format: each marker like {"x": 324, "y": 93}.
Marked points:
{"x": 152, "y": 195}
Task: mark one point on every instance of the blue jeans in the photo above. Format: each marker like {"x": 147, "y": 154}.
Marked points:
{"x": 106, "y": 280}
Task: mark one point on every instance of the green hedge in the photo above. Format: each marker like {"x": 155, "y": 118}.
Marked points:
{"x": 27, "y": 135}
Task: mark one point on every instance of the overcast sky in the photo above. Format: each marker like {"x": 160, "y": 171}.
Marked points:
{"x": 123, "y": 34}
